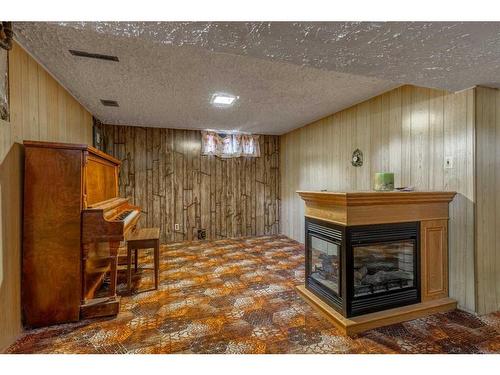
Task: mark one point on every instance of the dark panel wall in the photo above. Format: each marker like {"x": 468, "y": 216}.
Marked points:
{"x": 164, "y": 172}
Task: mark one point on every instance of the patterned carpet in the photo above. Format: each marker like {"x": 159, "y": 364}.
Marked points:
{"x": 238, "y": 296}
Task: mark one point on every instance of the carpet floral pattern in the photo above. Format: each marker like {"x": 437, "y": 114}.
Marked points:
{"x": 238, "y": 296}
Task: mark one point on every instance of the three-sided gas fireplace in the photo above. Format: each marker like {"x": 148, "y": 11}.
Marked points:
{"x": 376, "y": 258}
{"x": 363, "y": 268}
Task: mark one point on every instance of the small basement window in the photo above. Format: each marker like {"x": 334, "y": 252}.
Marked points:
{"x": 230, "y": 145}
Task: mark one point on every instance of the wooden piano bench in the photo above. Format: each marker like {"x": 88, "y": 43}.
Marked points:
{"x": 144, "y": 238}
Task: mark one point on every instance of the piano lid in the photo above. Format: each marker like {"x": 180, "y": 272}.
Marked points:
{"x": 108, "y": 204}
{"x": 72, "y": 146}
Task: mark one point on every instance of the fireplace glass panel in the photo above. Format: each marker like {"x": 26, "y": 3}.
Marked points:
{"x": 383, "y": 267}
{"x": 324, "y": 263}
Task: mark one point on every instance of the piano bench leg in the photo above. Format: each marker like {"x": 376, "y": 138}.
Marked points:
{"x": 136, "y": 260}
{"x": 157, "y": 263}
{"x": 129, "y": 269}
{"x": 113, "y": 250}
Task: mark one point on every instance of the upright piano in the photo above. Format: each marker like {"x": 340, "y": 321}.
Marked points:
{"x": 73, "y": 224}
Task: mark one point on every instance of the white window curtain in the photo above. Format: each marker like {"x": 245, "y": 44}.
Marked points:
{"x": 230, "y": 145}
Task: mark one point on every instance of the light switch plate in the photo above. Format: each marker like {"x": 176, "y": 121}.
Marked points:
{"x": 176, "y": 227}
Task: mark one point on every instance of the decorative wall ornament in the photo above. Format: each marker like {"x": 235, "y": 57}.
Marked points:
{"x": 5, "y": 44}
{"x": 229, "y": 145}
{"x": 99, "y": 140}
{"x": 357, "y": 158}
{"x": 4, "y": 85}
{"x": 6, "y": 35}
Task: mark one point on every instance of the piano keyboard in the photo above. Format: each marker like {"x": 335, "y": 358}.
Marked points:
{"x": 123, "y": 215}
{"x": 126, "y": 216}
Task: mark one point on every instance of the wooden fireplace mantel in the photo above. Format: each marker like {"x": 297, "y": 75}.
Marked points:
{"x": 371, "y": 207}
{"x": 429, "y": 208}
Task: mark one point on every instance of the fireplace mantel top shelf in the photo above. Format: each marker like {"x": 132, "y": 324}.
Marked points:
{"x": 373, "y": 207}
{"x": 366, "y": 198}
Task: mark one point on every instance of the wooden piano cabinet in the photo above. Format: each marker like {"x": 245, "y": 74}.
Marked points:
{"x": 51, "y": 264}
{"x": 72, "y": 213}
{"x": 434, "y": 259}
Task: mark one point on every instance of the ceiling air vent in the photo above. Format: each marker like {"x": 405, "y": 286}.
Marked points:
{"x": 93, "y": 55}
{"x": 109, "y": 103}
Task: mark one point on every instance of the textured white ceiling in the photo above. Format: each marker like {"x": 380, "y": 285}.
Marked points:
{"x": 287, "y": 74}
{"x": 447, "y": 55}
{"x": 170, "y": 85}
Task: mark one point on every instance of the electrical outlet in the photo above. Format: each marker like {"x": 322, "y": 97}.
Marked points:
{"x": 202, "y": 234}
{"x": 176, "y": 227}
{"x": 448, "y": 162}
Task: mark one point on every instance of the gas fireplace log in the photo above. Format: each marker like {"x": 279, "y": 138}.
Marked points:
{"x": 383, "y": 277}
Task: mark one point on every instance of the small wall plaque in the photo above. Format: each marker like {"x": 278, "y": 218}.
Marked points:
{"x": 357, "y": 158}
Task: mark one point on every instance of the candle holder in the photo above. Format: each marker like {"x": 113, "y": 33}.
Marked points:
{"x": 383, "y": 181}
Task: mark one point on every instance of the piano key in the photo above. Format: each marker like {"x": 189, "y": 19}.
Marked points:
{"x": 130, "y": 217}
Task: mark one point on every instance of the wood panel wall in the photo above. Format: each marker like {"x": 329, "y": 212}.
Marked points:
{"x": 40, "y": 110}
{"x": 408, "y": 131}
{"x": 164, "y": 172}
{"x": 488, "y": 199}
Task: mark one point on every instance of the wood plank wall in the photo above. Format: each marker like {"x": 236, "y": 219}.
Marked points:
{"x": 40, "y": 110}
{"x": 408, "y": 131}
{"x": 488, "y": 199}
{"x": 164, "y": 172}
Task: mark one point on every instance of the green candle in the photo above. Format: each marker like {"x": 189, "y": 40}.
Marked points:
{"x": 383, "y": 181}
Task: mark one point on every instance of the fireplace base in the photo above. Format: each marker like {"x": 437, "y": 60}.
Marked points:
{"x": 354, "y": 325}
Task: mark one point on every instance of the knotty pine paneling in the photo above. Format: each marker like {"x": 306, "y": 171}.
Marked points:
{"x": 408, "y": 131}
{"x": 488, "y": 199}
{"x": 40, "y": 110}
{"x": 164, "y": 172}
